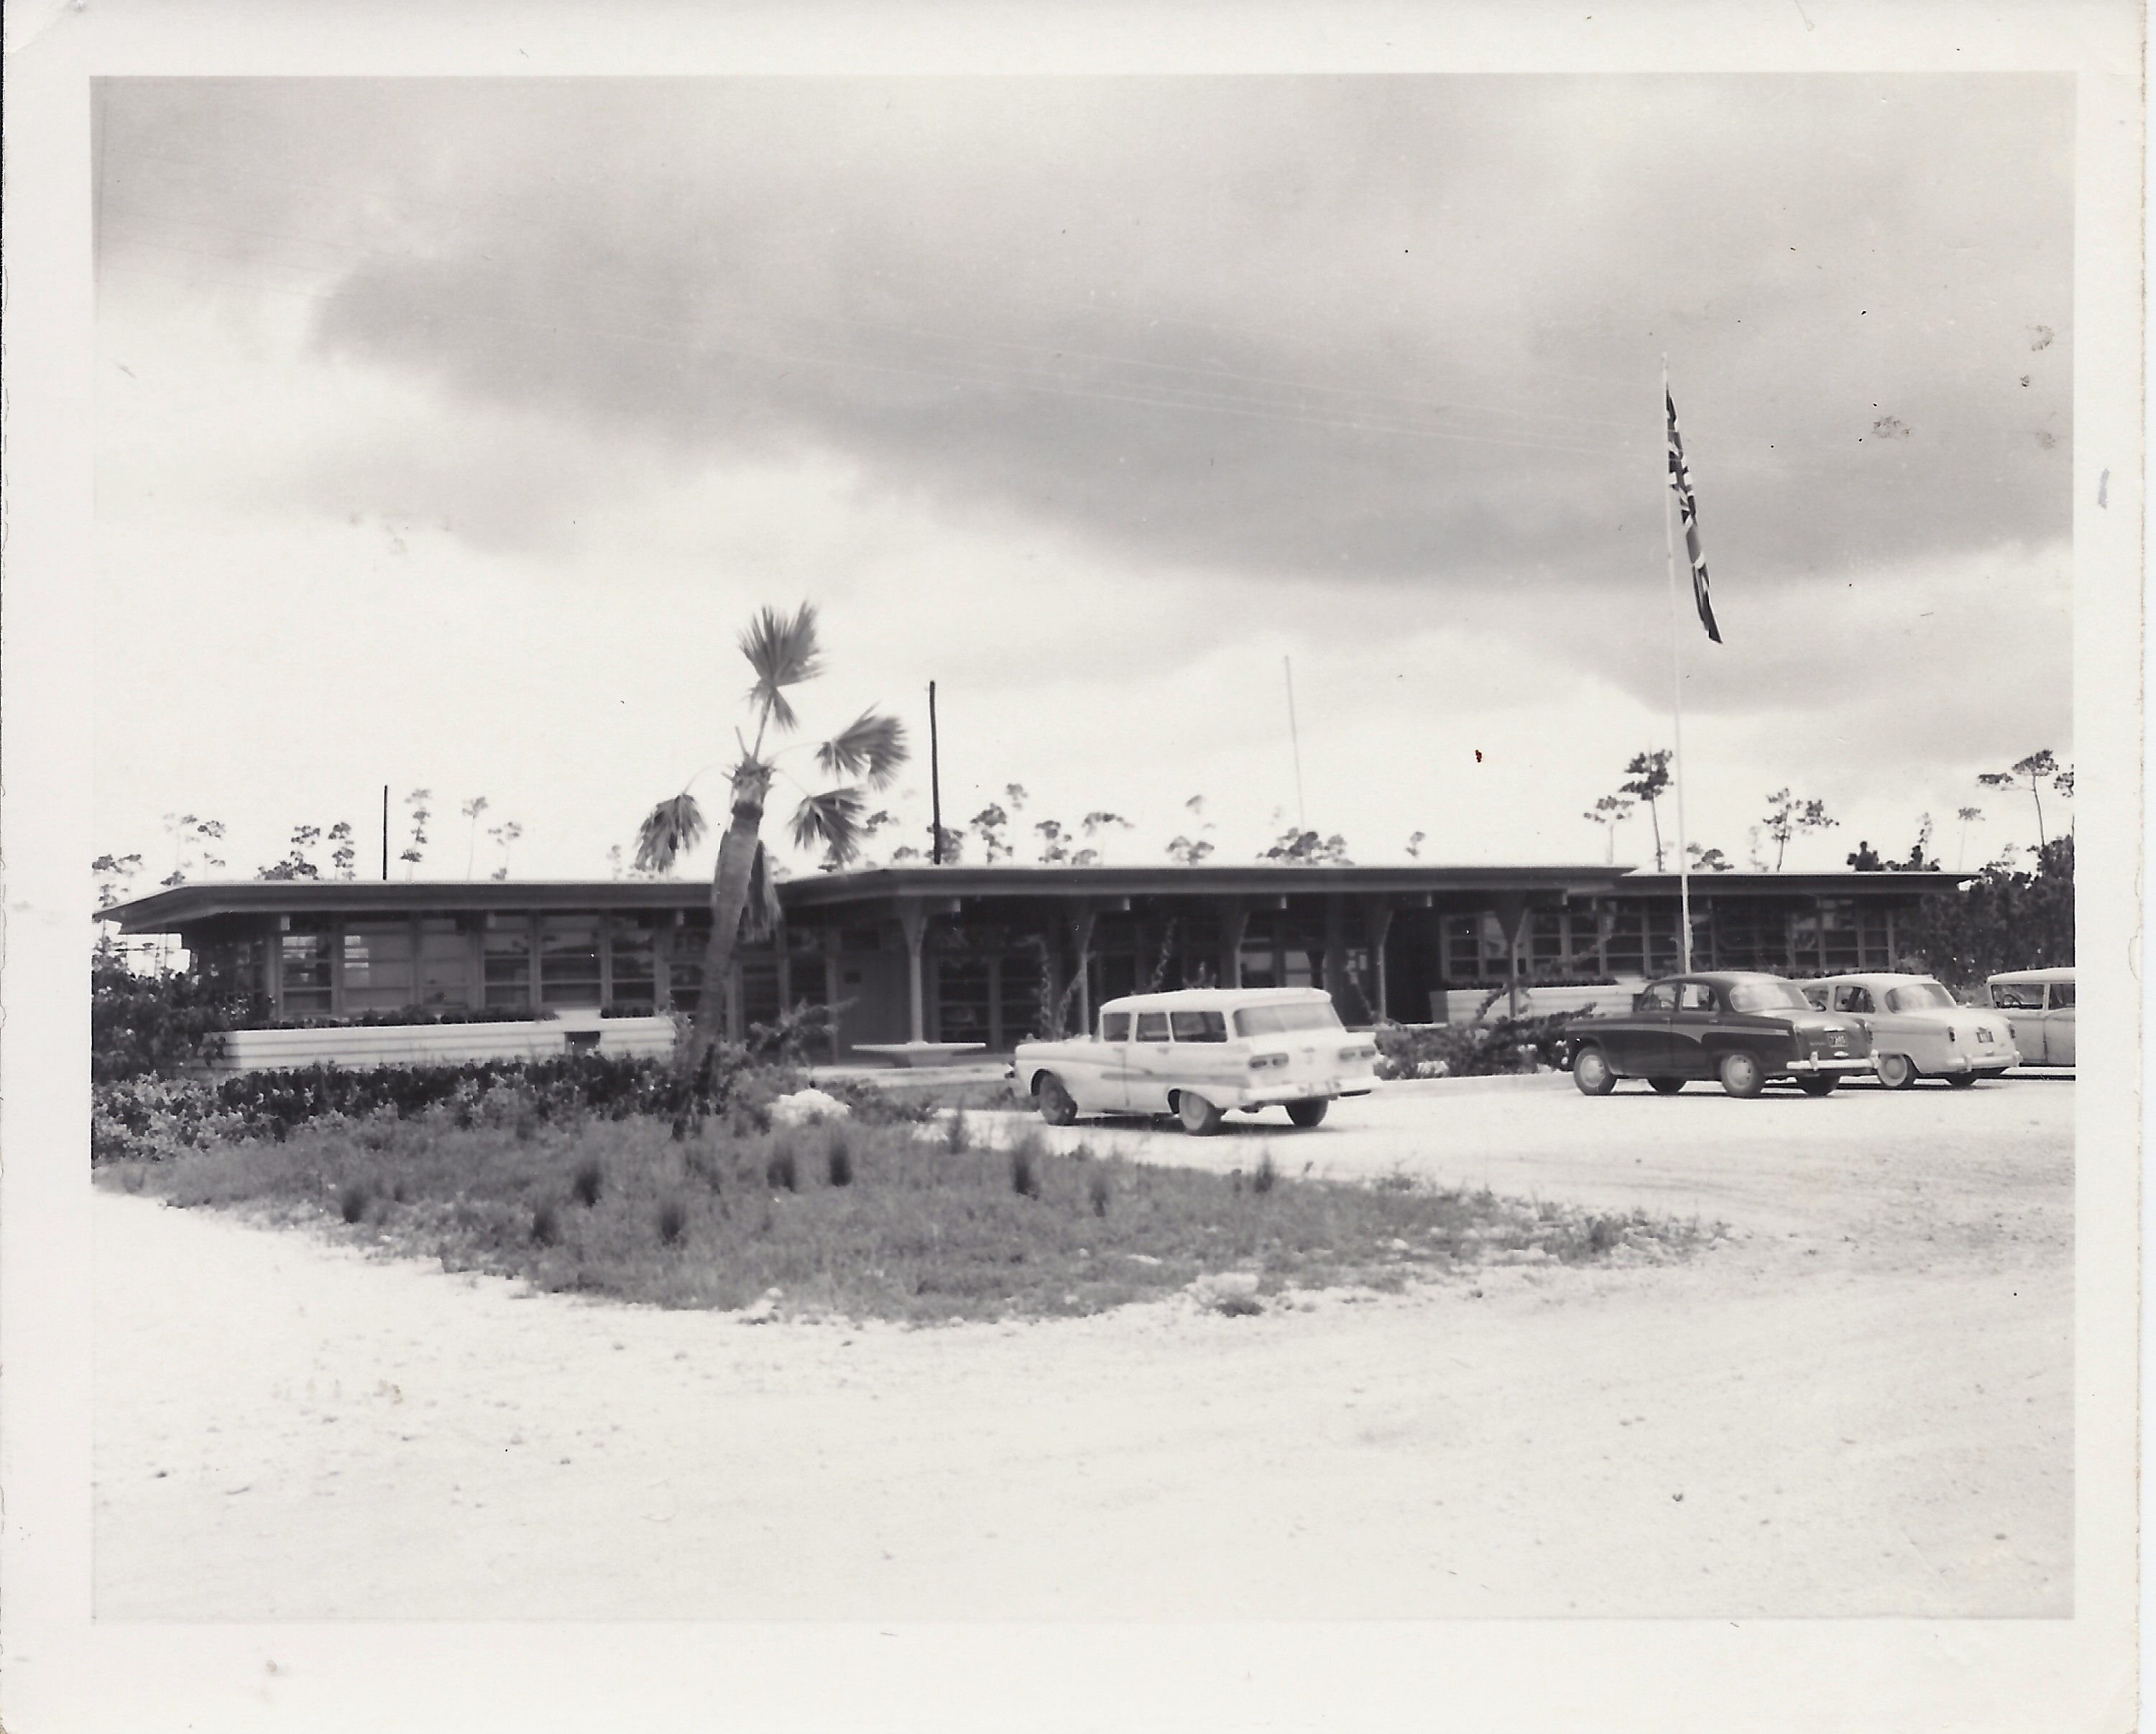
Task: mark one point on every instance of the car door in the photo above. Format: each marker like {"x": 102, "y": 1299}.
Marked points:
{"x": 1695, "y": 1015}
{"x": 1639, "y": 1046}
{"x": 1104, "y": 1089}
{"x": 2023, "y": 1003}
{"x": 1152, "y": 1064}
{"x": 2059, "y": 1024}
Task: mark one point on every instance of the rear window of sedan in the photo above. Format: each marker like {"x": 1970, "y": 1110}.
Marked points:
{"x": 1918, "y": 997}
{"x": 1767, "y": 996}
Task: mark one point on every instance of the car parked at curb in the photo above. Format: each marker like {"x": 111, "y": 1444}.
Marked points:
{"x": 1918, "y": 1028}
{"x": 1199, "y": 1053}
{"x": 2038, "y": 1005}
{"x": 1737, "y": 1028}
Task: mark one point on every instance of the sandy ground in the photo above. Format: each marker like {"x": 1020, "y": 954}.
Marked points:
{"x": 1860, "y": 1403}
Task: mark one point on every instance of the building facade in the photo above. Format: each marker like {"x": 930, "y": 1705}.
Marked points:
{"x": 992, "y": 954}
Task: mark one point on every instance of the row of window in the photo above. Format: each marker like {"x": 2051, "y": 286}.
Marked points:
{"x": 1637, "y": 938}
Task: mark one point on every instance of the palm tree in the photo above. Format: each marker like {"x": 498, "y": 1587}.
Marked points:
{"x": 782, "y": 653}
{"x": 2036, "y": 767}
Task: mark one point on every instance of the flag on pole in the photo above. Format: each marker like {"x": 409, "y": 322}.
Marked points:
{"x": 1688, "y": 508}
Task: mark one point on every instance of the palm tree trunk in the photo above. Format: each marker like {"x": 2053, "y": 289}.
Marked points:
{"x": 730, "y": 881}
{"x": 1654, "y": 813}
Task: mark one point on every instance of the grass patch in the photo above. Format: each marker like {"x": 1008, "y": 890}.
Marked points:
{"x": 893, "y": 1221}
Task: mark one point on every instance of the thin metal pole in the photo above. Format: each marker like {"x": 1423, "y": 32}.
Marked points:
{"x": 385, "y": 831}
{"x": 1295, "y": 739}
{"x": 935, "y": 785}
{"x": 1676, "y": 691}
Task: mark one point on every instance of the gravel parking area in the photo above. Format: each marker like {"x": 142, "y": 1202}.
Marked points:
{"x": 1857, "y": 1404}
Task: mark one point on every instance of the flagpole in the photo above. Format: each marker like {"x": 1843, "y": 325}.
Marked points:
{"x": 1676, "y": 695}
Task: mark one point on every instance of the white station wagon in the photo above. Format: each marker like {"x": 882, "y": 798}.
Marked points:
{"x": 1199, "y": 1053}
{"x": 1919, "y": 1029}
{"x": 2039, "y": 1003}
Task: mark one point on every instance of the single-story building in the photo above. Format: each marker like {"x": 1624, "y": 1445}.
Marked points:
{"x": 987, "y": 955}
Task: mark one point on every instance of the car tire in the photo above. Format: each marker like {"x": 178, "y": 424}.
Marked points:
{"x": 1817, "y": 1086}
{"x": 1199, "y": 1117}
{"x": 1308, "y": 1113}
{"x": 1591, "y": 1072}
{"x": 1056, "y": 1106}
{"x": 1742, "y": 1075}
{"x": 1665, "y": 1086}
{"x": 1895, "y": 1071}
{"x": 1961, "y": 1080}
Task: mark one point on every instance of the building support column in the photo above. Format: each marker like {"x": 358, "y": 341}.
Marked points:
{"x": 1333, "y": 967}
{"x": 1234, "y": 923}
{"x": 913, "y": 918}
{"x": 1081, "y": 917}
{"x": 1377, "y": 924}
{"x": 1512, "y": 915}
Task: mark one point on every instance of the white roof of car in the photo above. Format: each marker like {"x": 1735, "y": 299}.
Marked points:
{"x": 1213, "y": 999}
{"x": 2064, "y": 972}
{"x": 1882, "y": 979}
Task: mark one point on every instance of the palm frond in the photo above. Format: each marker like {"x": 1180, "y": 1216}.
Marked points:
{"x": 669, "y": 831}
{"x": 871, "y": 745}
{"x": 831, "y": 819}
{"x": 761, "y": 913}
{"x": 783, "y": 653}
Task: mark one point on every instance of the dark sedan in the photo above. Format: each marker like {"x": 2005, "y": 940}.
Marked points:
{"x": 1740, "y": 1029}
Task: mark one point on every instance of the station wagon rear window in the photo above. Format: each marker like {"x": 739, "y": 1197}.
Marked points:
{"x": 1198, "y": 1026}
{"x": 1285, "y": 1020}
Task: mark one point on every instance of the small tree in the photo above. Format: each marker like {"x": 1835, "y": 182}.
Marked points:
{"x": 1307, "y": 849}
{"x": 192, "y": 840}
{"x": 296, "y": 863}
{"x": 1415, "y": 840}
{"x": 1968, "y": 816}
{"x": 471, "y": 810}
{"x": 1709, "y": 860}
{"x": 2036, "y": 767}
{"x": 417, "y": 815}
{"x": 1647, "y": 778}
{"x": 1786, "y": 816}
{"x": 505, "y": 836}
{"x": 1609, "y": 812}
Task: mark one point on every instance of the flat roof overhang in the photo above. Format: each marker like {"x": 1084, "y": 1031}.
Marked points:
{"x": 883, "y": 888}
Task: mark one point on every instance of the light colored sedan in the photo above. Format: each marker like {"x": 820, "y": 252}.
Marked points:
{"x": 1919, "y": 1029}
{"x": 2039, "y": 1003}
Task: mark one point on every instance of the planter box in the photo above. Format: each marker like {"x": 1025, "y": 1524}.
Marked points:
{"x": 360, "y": 1048}
{"x": 1460, "y": 1005}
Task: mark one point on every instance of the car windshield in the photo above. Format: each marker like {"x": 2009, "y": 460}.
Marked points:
{"x": 1918, "y": 997}
{"x": 1767, "y": 996}
{"x": 1284, "y": 1020}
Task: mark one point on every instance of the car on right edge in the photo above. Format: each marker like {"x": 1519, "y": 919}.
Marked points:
{"x": 1918, "y": 1028}
{"x": 2039, "y": 1005}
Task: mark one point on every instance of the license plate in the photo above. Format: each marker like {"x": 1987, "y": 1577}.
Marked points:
{"x": 1984, "y": 1036}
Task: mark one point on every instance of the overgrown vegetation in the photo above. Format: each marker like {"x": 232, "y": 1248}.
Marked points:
{"x": 2004, "y": 920}
{"x": 919, "y": 1231}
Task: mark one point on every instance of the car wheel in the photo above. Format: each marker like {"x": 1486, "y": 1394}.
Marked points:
{"x": 1056, "y": 1107}
{"x": 1591, "y": 1072}
{"x": 1963, "y": 1080}
{"x": 1307, "y": 1113}
{"x": 1895, "y": 1071}
{"x": 1201, "y": 1118}
{"x": 1741, "y": 1074}
{"x": 1817, "y": 1086}
{"x": 1665, "y": 1086}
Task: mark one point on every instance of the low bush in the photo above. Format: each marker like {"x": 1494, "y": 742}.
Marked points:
{"x": 1469, "y": 1050}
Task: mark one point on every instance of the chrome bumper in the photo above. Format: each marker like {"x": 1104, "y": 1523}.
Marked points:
{"x": 1834, "y": 1062}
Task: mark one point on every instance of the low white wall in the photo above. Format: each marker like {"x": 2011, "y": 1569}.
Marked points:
{"x": 1460, "y": 1005}
{"x": 358, "y": 1048}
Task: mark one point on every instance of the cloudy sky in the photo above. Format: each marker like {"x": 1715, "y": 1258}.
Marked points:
{"x": 449, "y": 431}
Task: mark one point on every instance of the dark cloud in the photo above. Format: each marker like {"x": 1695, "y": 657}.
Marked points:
{"x": 1370, "y": 329}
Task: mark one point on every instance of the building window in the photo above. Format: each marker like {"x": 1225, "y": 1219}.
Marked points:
{"x": 304, "y": 973}
{"x": 568, "y": 960}
{"x": 445, "y": 963}
{"x": 685, "y": 962}
{"x": 631, "y": 955}
{"x": 508, "y": 955}
{"x": 1020, "y": 989}
{"x": 760, "y": 999}
{"x": 378, "y": 965}
{"x": 962, "y": 999}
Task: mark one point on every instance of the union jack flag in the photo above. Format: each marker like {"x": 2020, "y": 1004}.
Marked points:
{"x": 1681, "y": 481}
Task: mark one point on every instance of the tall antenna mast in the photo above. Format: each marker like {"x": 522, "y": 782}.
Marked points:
{"x": 1295, "y": 739}
{"x": 935, "y": 785}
